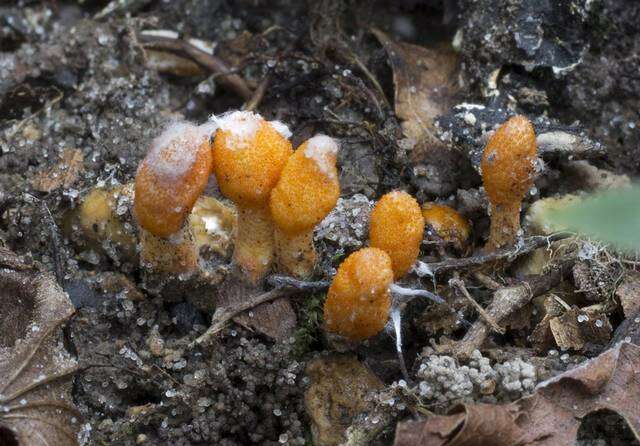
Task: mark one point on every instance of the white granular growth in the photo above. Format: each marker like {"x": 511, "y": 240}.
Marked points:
{"x": 173, "y": 152}
{"x": 281, "y": 128}
{"x": 322, "y": 149}
{"x": 242, "y": 125}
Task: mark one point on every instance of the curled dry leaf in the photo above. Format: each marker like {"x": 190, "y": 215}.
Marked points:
{"x": 35, "y": 370}
{"x": 551, "y": 416}
{"x": 629, "y": 293}
{"x": 575, "y": 328}
{"x": 426, "y": 81}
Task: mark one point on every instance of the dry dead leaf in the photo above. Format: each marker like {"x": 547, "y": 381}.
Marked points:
{"x": 426, "y": 81}
{"x": 629, "y": 293}
{"x": 549, "y": 417}
{"x": 575, "y": 327}
{"x": 62, "y": 174}
{"x": 275, "y": 319}
{"x": 36, "y": 371}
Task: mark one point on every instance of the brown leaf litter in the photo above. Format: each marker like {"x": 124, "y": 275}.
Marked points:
{"x": 550, "y": 416}
{"x": 425, "y": 84}
{"x": 36, "y": 371}
{"x": 62, "y": 174}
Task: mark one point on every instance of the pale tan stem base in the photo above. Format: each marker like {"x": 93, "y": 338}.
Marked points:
{"x": 175, "y": 255}
{"x": 295, "y": 254}
{"x": 254, "y": 246}
{"x": 505, "y": 224}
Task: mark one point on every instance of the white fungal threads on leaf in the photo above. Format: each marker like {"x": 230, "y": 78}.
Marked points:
{"x": 173, "y": 152}
{"x": 241, "y": 125}
{"x": 323, "y": 149}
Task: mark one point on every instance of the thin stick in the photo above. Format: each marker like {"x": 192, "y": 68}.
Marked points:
{"x": 280, "y": 281}
{"x": 487, "y": 281}
{"x": 223, "y": 315}
{"x": 506, "y": 301}
{"x": 206, "y": 60}
{"x": 528, "y": 245}
{"x": 459, "y": 285}
{"x": 256, "y": 99}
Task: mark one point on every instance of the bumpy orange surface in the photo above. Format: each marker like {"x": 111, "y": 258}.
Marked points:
{"x": 305, "y": 193}
{"x": 397, "y": 227}
{"x": 166, "y": 188}
{"x": 247, "y": 175}
{"x": 508, "y": 161}
{"x": 358, "y": 302}
{"x": 446, "y": 222}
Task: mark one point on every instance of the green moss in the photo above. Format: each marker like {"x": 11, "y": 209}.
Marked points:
{"x": 308, "y": 333}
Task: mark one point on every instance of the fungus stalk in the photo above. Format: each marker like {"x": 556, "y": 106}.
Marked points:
{"x": 249, "y": 155}
{"x": 306, "y": 192}
{"x": 168, "y": 182}
{"x": 508, "y": 168}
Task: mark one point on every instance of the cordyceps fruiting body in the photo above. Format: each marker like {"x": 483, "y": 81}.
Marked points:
{"x": 249, "y": 154}
{"x": 358, "y": 301}
{"x": 168, "y": 182}
{"x": 397, "y": 227}
{"x": 508, "y": 169}
{"x": 447, "y": 223}
{"x": 171, "y": 178}
{"x": 307, "y": 191}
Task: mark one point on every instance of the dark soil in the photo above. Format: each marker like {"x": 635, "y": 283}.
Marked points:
{"x": 74, "y": 78}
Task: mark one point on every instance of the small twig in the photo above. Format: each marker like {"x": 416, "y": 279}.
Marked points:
{"x": 279, "y": 281}
{"x": 506, "y": 301}
{"x": 528, "y": 245}
{"x": 56, "y": 238}
{"x": 46, "y": 107}
{"x": 258, "y": 94}
{"x": 487, "y": 281}
{"x": 223, "y": 315}
{"x": 206, "y": 60}
{"x": 459, "y": 285}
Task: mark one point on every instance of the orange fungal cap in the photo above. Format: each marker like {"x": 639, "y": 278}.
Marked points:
{"x": 358, "y": 301}
{"x": 171, "y": 177}
{"x": 397, "y": 227}
{"x": 248, "y": 156}
{"x": 446, "y": 222}
{"x": 508, "y": 162}
{"x": 308, "y": 188}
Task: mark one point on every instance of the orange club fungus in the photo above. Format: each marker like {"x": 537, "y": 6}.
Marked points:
{"x": 248, "y": 157}
{"x": 168, "y": 182}
{"x": 446, "y": 223}
{"x": 508, "y": 169}
{"x": 397, "y": 227}
{"x": 307, "y": 191}
{"x": 358, "y": 301}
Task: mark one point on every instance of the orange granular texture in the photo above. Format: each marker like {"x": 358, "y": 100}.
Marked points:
{"x": 358, "y": 302}
{"x": 247, "y": 174}
{"x": 305, "y": 193}
{"x": 162, "y": 199}
{"x": 446, "y": 222}
{"x": 397, "y": 227}
{"x": 508, "y": 162}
